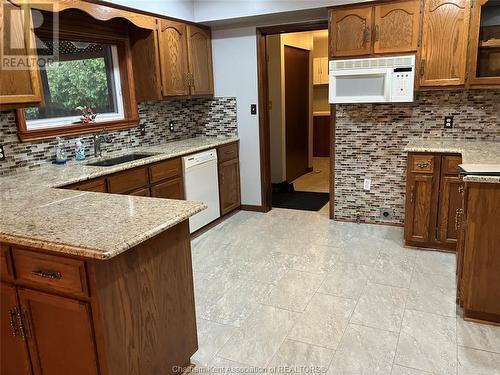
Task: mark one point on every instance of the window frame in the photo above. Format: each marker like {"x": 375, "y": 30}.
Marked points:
{"x": 91, "y": 33}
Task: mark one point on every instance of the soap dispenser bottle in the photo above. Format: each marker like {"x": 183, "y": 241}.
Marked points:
{"x": 61, "y": 156}
{"x": 79, "y": 150}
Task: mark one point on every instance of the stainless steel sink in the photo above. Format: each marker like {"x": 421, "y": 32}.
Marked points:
{"x": 119, "y": 160}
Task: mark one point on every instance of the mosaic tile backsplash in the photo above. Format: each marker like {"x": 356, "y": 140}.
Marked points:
{"x": 191, "y": 117}
{"x": 370, "y": 139}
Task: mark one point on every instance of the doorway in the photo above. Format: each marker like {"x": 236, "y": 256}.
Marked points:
{"x": 295, "y": 122}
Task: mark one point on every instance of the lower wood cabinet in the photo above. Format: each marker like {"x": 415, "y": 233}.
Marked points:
{"x": 433, "y": 200}
{"x": 171, "y": 189}
{"x": 137, "y": 318}
{"x": 229, "y": 178}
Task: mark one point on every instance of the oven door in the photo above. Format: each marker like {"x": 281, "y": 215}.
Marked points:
{"x": 360, "y": 86}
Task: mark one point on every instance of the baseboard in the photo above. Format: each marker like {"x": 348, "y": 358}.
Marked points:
{"x": 253, "y": 208}
{"x": 369, "y": 222}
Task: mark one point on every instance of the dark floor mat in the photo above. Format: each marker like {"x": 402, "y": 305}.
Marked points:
{"x": 300, "y": 200}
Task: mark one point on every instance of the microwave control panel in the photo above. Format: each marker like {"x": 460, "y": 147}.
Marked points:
{"x": 403, "y": 80}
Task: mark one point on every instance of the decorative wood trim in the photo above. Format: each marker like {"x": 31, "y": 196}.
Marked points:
{"x": 293, "y": 28}
{"x": 98, "y": 11}
{"x": 253, "y": 208}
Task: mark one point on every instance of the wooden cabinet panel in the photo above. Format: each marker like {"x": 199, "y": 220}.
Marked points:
{"x": 229, "y": 186}
{"x": 143, "y": 192}
{"x": 13, "y": 350}
{"x": 450, "y": 164}
{"x": 450, "y": 209}
{"x": 445, "y": 34}
{"x": 128, "y": 181}
{"x": 60, "y": 334}
{"x": 321, "y": 136}
{"x": 422, "y": 163}
{"x": 200, "y": 60}
{"x": 18, "y": 88}
{"x": 97, "y": 185}
{"x": 397, "y": 27}
{"x": 6, "y": 270}
{"x": 227, "y": 152}
{"x": 350, "y": 32}
{"x": 52, "y": 272}
{"x": 171, "y": 189}
{"x": 418, "y": 207}
{"x": 172, "y": 41}
{"x": 165, "y": 170}
{"x": 320, "y": 71}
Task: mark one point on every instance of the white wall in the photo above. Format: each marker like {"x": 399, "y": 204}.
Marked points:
{"x": 182, "y": 9}
{"x": 235, "y": 74}
{"x": 214, "y": 10}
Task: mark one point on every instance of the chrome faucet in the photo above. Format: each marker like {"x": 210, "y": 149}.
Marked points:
{"x": 98, "y": 139}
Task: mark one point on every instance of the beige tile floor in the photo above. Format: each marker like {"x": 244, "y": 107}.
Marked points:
{"x": 316, "y": 181}
{"x": 293, "y": 292}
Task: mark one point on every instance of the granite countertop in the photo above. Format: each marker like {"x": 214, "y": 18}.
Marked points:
{"x": 35, "y": 213}
{"x": 477, "y": 156}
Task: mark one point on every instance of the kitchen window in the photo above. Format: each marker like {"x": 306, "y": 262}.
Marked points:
{"x": 85, "y": 79}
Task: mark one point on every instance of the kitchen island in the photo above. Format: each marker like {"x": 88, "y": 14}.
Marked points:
{"x": 96, "y": 283}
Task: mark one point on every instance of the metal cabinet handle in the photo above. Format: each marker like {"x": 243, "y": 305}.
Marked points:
{"x": 458, "y": 215}
{"x": 423, "y": 164}
{"x": 13, "y": 321}
{"x": 460, "y": 189}
{"x": 53, "y": 275}
{"x": 377, "y": 33}
{"x": 17, "y": 323}
{"x": 367, "y": 34}
{"x": 412, "y": 194}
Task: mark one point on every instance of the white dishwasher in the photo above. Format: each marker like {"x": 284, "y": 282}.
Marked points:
{"x": 201, "y": 184}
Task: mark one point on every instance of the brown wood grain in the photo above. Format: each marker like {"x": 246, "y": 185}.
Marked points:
{"x": 146, "y": 301}
{"x": 6, "y": 265}
{"x": 128, "y": 180}
{"x": 397, "y": 27}
{"x": 59, "y": 334}
{"x": 229, "y": 186}
{"x": 351, "y": 31}
{"x": 321, "y": 136}
{"x": 170, "y": 189}
{"x": 142, "y": 192}
{"x": 449, "y": 206}
{"x": 443, "y": 55}
{"x": 13, "y": 350}
{"x": 199, "y": 44}
{"x": 418, "y": 207}
{"x": 165, "y": 170}
{"x": 227, "y": 152}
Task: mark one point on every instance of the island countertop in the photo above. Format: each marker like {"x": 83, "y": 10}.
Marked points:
{"x": 35, "y": 213}
{"x": 476, "y": 155}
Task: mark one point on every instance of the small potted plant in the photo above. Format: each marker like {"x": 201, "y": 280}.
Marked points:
{"x": 88, "y": 115}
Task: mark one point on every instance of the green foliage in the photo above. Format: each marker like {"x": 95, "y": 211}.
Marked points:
{"x": 72, "y": 84}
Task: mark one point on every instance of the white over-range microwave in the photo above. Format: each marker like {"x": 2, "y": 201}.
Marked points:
{"x": 375, "y": 80}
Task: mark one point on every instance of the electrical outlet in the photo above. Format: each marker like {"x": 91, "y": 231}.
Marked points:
{"x": 171, "y": 126}
{"x": 2, "y": 153}
{"x": 367, "y": 184}
{"x": 386, "y": 213}
{"x": 448, "y": 122}
{"x": 142, "y": 128}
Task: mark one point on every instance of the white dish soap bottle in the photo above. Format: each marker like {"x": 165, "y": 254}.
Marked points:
{"x": 79, "y": 150}
{"x": 61, "y": 156}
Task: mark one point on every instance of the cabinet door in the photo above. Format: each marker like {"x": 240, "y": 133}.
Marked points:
{"x": 13, "y": 350}
{"x": 200, "y": 61}
{"x": 317, "y": 79}
{"x": 450, "y": 209}
{"x": 171, "y": 189}
{"x": 444, "y": 42}
{"x": 484, "y": 58}
{"x": 351, "y": 32}
{"x": 418, "y": 207}
{"x": 172, "y": 40}
{"x": 229, "y": 186}
{"x": 60, "y": 334}
{"x": 396, "y": 27}
{"x": 18, "y": 87}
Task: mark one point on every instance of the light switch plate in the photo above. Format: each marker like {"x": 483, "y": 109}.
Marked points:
{"x": 2, "y": 153}
{"x": 367, "y": 184}
{"x": 253, "y": 109}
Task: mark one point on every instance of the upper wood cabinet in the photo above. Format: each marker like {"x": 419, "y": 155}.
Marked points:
{"x": 443, "y": 55}
{"x": 484, "y": 45}
{"x": 350, "y": 32}
{"x": 18, "y": 87}
{"x": 199, "y": 44}
{"x": 320, "y": 71}
{"x": 173, "y": 51}
{"x": 397, "y": 27}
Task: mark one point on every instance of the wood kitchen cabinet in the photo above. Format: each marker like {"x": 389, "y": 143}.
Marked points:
{"x": 351, "y": 32}
{"x": 229, "y": 178}
{"x": 171, "y": 189}
{"x": 320, "y": 71}
{"x": 484, "y": 44}
{"x": 397, "y": 26}
{"x": 18, "y": 87}
{"x": 445, "y": 34}
{"x": 137, "y": 316}
{"x": 433, "y": 201}
{"x": 199, "y": 44}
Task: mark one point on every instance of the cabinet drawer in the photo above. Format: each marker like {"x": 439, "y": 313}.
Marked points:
{"x": 127, "y": 181}
{"x": 171, "y": 189}
{"x": 449, "y": 164}
{"x": 97, "y": 185}
{"x": 52, "y": 272}
{"x": 144, "y": 192}
{"x": 227, "y": 152}
{"x": 5, "y": 264}
{"x": 422, "y": 163}
{"x": 164, "y": 170}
